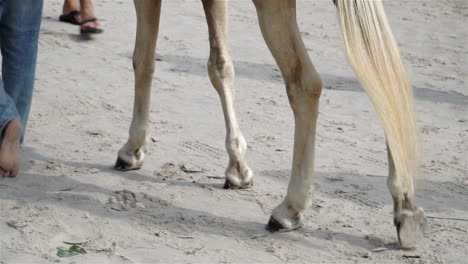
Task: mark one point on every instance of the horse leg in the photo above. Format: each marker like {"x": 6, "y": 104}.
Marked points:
{"x": 221, "y": 72}
{"x": 374, "y": 56}
{"x": 131, "y": 155}
{"x": 409, "y": 220}
{"x": 279, "y": 28}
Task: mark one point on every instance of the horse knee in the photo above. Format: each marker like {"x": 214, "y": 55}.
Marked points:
{"x": 220, "y": 63}
{"x": 220, "y": 68}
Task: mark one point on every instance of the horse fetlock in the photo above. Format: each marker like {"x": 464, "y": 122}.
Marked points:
{"x": 129, "y": 160}
{"x": 238, "y": 175}
{"x": 284, "y": 218}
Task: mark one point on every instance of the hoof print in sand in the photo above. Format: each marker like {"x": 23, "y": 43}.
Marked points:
{"x": 126, "y": 200}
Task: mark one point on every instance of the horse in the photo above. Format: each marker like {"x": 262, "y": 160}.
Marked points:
{"x": 374, "y": 56}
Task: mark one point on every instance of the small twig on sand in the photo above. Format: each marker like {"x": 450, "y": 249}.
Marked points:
{"x": 447, "y": 218}
{"x": 184, "y": 169}
{"x": 75, "y": 243}
{"x": 215, "y": 177}
{"x": 65, "y": 190}
{"x": 376, "y": 176}
{"x": 379, "y": 249}
{"x": 105, "y": 250}
{"x": 260, "y": 235}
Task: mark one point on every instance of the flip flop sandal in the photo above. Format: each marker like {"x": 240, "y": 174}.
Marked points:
{"x": 85, "y": 31}
{"x": 70, "y": 18}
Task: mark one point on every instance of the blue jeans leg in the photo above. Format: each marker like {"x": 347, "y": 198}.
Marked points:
{"x": 20, "y": 22}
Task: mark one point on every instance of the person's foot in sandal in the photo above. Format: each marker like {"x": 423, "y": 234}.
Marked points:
{"x": 10, "y": 151}
{"x": 81, "y": 12}
{"x": 70, "y": 12}
{"x": 90, "y": 26}
{"x": 89, "y": 23}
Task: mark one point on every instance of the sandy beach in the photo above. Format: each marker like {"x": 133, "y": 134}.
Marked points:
{"x": 174, "y": 210}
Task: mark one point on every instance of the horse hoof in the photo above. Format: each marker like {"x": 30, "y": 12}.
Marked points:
{"x": 275, "y": 226}
{"x": 123, "y": 165}
{"x": 411, "y": 227}
{"x": 229, "y": 185}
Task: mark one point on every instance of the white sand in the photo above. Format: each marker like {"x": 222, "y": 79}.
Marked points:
{"x": 68, "y": 190}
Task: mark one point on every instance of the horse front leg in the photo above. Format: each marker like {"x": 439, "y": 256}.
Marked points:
{"x": 131, "y": 155}
{"x": 221, "y": 72}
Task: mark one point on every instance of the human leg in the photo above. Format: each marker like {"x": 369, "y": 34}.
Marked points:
{"x": 19, "y": 32}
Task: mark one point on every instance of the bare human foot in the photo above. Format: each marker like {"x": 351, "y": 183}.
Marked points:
{"x": 10, "y": 152}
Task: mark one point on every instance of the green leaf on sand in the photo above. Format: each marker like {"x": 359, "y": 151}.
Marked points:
{"x": 72, "y": 251}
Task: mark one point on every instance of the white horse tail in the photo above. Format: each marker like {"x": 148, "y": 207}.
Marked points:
{"x": 374, "y": 56}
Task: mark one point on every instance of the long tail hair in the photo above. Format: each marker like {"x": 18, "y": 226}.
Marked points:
{"x": 375, "y": 58}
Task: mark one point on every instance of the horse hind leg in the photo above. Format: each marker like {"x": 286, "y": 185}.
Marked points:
{"x": 221, "y": 72}
{"x": 277, "y": 20}
{"x": 374, "y": 56}
{"x": 409, "y": 220}
{"x": 131, "y": 155}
